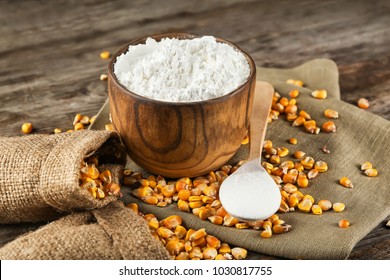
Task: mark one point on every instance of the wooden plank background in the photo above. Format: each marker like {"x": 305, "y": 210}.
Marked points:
{"x": 50, "y": 65}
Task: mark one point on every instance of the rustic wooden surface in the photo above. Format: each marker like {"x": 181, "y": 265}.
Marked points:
{"x": 50, "y": 65}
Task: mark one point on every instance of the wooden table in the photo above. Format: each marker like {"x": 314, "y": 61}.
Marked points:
{"x": 50, "y": 65}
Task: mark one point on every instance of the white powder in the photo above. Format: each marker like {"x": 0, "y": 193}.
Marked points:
{"x": 182, "y": 70}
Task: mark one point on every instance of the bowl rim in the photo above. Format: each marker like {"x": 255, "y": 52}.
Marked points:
{"x": 179, "y": 35}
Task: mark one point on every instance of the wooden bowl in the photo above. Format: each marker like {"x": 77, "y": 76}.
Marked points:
{"x": 180, "y": 139}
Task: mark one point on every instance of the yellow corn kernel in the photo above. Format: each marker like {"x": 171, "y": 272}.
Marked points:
{"x": 224, "y": 248}
{"x": 295, "y": 82}
{"x": 188, "y": 234}
{"x": 180, "y": 231}
{"x": 183, "y": 205}
{"x": 90, "y": 171}
{"x": 57, "y": 130}
{"x": 210, "y": 253}
{"x": 313, "y": 173}
{"x": 100, "y": 193}
{"x": 299, "y": 167}
{"x": 93, "y": 191}
{"x": 221, "y": 212}
{"x": 109, "y": 127}
{"x": 321, "y": 166}
{"x": 148, "y": 217}
{"x": 206, "y": 199}
{"x": 287, "y": 164}
{"x": 310, "y": 126}
{"x": 184, "y": 194}
{"x": 294, "y": 93}
{"x": 103, "y": 77}
{"x": 293, "y": 201}
{"x": 229, "y": 221}
{"x": 105, "y": 176}
{"x": 267, "y": 233}
{"x": 363, "y": 103}
{"x": 220, "y": 176}
{"x": 338, "y": 207}
{"x": 164, "y": 232}
{"x": 172, "y": 221}
{"x": 197, "y": 234}
{"x": 317, "y": 130}
{"x": 308, "y": 163}
{"x": 331, "y": 114}
{"x": 371, "y": 172}
{"x": 344, "y": 223}
{"x": 196, "y": 253}
{"x": 275, "y": 159}
{"x": 308, "y": 196}
{"x": 274, "y": 115}
{"x": 241, "y": 225}
{"x": 324, "y": 204}
{"x": 284, "y": 194}
{"x": 319, "y": 94}
{"x": 291, "y": 117}
{"x": 316, "y": 209}
{"x": 291, "y": 109}
{"x": 217, "y": 220}
{"x": 78, "y": 126}
{"x": 105, "y": 55}
{"x": 213, "y": 242}
{"x": 298, "y": 194}
{"x": 239, "y": 253}
{"x": 173, "y": 247}
{"x": 305, "y": 114}
{"x": 204, "y": 213}
{"x": 302, "y": 180}
{"x": 245, "y": 140}
{"x": 281, "y": 228}
{"x": 112, "y": 189}
{"x": 153, "y": 224}
{"x": 290, "y": 178}
{"x": 329, "y": 126}
{"x": 168, "y": 190}
{"x": 299, "y": 154}
{"x": 267, "y": 165}
{"x": 293, "y": 141}
{"x": 70, "y": 131}
{"x": 84, "y": 120}
{"x": 150, "y": 199}
{"x": 366, "y": 165}
{"x": 183, "y": 256}
{"x": 216, "y": 204}
{"x": 220, "y": 257}
{"x": 290, "y": 188}
{"x": 346, "y": 182}
{"x": 77, "y": 119}
{"x": 282, "y": 151}
{"x": 134, "y": 207}
{"x": 211, "y": 191}
{"x": 305, "y": 205}
{"x": 283, "y": 208}
{"x": 299, "y": 121}
{"x": 92, "y": 119}
{"x": 194, "y": 198}
{"x": 27, "y": 128}
{"x": 283, "y": 101}
{"x": 195, "y": 204}
{"x": 267, "y": 144}
{"x": 162, "y": 203}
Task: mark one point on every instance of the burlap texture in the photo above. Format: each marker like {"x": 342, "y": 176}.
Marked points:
{"x": 39, "y": 174}
{"x": 111, "y": 233}
{"x": 361, "y": 136}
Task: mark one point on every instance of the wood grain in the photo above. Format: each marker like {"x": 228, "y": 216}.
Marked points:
{"x": 50, "y": 65}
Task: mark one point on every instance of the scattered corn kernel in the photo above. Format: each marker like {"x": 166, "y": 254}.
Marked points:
{"x": 299, "y": 121}
{"x": 305, "y": 114}
{"x": 27, "y": 128}
{"x": 105, "y": 55}
{"x": 313, "y": 173}
{"x": 319, "y": 94}
{"x": 308, "y": 162}
{"x": 366, "y": 165}
{"x": 329, "y": 127}
{"x": 299, "y": 154}
{"x": 109, "y": 127}
{"x": 321, "y": 166}
{"x": 293, "y": 141}
{"x": 295, "y": 82}
{"x": 294, "y": 93}
{"x": 338, "y": 207}
{"x": 316, "y": 210}
{"x": 103, "y": 77}
{"x": 245, "y": 141}
{"x": 325, "y": 204}
{"x": 346, "y": 182}
{"x": 363, "y": 103}
{"x": 310, "y": 126}
{"x": 57, "y": 130}
{"x": 371, "y": 172}
{"x": 331, "y": 114}
{"x": 344, "y": 223}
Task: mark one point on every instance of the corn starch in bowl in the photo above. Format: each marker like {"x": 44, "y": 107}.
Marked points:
{"x": 250, "y": 194}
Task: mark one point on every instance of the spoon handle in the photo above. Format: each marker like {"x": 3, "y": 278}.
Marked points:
{"x": 258, "y": 122}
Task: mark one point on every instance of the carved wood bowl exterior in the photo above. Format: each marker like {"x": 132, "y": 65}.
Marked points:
{"x": 180, "y": 139}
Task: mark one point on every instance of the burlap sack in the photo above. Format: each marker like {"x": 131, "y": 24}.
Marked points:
{"x": 39, "y": 174}
{"x": 111, "y": 233}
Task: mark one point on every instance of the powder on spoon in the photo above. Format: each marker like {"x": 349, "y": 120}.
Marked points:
{"x": 182, "y": 70}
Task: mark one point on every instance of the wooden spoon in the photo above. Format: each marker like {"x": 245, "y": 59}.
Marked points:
{"x": 250, "y": 194}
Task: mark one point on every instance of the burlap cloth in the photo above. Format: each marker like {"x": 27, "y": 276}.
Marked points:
{"x": 111, "y": 233}
{"x": 361, "y": 136}
{"x": 39, "y": 174}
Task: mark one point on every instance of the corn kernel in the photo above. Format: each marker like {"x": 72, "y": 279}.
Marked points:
{"x": 298, "y": 166}
{"x": 283, "y": 208}
{"x": 329, "y": 127}
{"x": 316, "y": 209}
{"x": 346, "y": 182}
{"x": 319, "y": 94}
{"x": 344, "y": 223}
{"x": 305, "y": 114}
{"x": 134, "y": 207}
{"x": 275, "y": 159}
{"x": 293, "y": 201}
{"x": 172, "y": 221}
{"x": 109, "y": 127}
{"x": 150, "y": 199}
{"x": 338, "y": 207}
{"x": 293, "y": 141}
{"x": 305, "y": 205}
{"x": 313, "y": 173}
{"x": 371, "y": 172}
{"x": 295, "y": 82}
{"x": 182, "y": 256}
{"x": 105, "y": 55}
{"x": 198, "y": 234}
{"x": 239, "y": 253}
{"x": 310, "y": 126}
{"x": 366, "y": 165}
{"x": 267, "y": 233}
{"x": 308, "y": 162}
{"x": 291, "y": 117}
{"x": 324, "y": 204}
{"x": 164, "y": 232}
{"x": 204, "y": 213}
{"x": 281, "y": 228}
{"x": 331, "y": 114}
{"x": 294, "y": 93}
{"x": 299, "y": 121}
{"x": 321, "y": 166}
{"x": 299, "y": 154}
{"x": 291, "y": 109}
{"x": 103, "y": 77}
{"x": 210, "y": 253}
{"x": 245, "y": 140}
{"x": 302, "y": 180}
{"x": 27, "y": 128}
{"x": 57, "y": 130}
{"x": 363, "y": 103}
{"x": 229, "y": 221}
{"x": 282, "y": 151}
